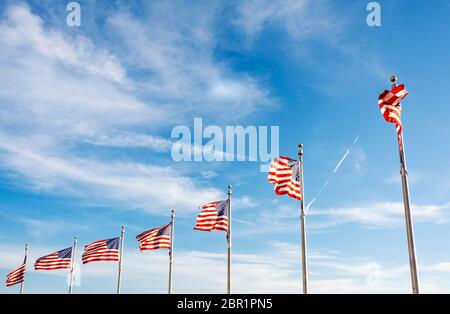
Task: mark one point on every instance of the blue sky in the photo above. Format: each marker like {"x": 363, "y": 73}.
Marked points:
{"x": 87, "y": 112}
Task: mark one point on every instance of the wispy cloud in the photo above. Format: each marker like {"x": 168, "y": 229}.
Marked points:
{"x": 177, "y": 53}
{"x": 125, "y": 140}
{"x": 39, "y": 228}
{"x": 301, "y": 19}
{"x": 209, "y": 174}
{"x": 138, "y": 185}
{"x": 382, "y": 215}
{"x": 84, "y": 86}
{"x": 282, "y": 219}
{"x": 24, "y": 29}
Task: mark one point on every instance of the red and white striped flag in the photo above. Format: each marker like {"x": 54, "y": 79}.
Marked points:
{"x": 214, "y": 216}
{"x": 284, "y": 172}
{"x": 101, "y": 251}
{"x": 158, "y": 238}
{"x": 389, "y": 103}
{"x": 16, "y": 276}
{"x": 58, "y": 260}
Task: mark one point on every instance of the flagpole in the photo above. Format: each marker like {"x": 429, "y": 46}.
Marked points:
{"x": 303, "y": 223}
{"x": 74, "y": 251}
{"x": 172, "y": 227}
{"x": 229, "y": 241}
{"x": 119, "y": 277}
{"x": 25, "y": 263}
{"x": 408, "y": 217}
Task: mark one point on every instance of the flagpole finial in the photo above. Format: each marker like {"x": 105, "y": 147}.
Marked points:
{"x": 300, "y": 149}
{"x": 393, "y": 79}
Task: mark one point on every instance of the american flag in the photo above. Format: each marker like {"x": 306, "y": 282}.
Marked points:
{"x": 58, "y": 260}
{"x": 389, "y": 102}
{"x": 102, "y": 251}
{"x": 16, "y": 276}
{"x": 158, "y": 238}
{"x": 284, "y": 172}
{"x": 214, "y": 216}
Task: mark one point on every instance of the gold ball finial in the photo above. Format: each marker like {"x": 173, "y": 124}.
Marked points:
{"x": 393, "y": 79}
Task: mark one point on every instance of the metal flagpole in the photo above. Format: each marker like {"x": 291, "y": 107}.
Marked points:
{"x": 119, "y": 277}
{"x": 25, "y": 263}
{"x": 229, "y": 241}
{"x": 408, "y": 217}
{"x": 74, "y": 251}
{"x": 303, "y": 222}
{"x": 172, "y": 227}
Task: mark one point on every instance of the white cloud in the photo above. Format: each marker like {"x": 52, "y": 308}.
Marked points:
{"x": 281, "y": 218}
{"x": 177, "y": 52}
{"x": 441, "y": 267}
{"x": 124, "y": 140}
{"x": 55, "y": 85}
{"x": 300, "y": 18}
{"x": 24, "y": 29}
{"x": 152, "y": 188}
{"x": 209, "y": 174}
{"x": 382, "y": 215}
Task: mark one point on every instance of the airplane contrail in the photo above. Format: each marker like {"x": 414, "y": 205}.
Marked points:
{"x": 327, "y": 181}
{"x": 341, "y": 161}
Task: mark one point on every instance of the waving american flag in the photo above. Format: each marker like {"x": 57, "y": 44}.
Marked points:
{"x": 102, "y": 251}
{"x": 16, "y": 276}
{"x": 284, "y": 172}
{"x": 157, "y": 238}
{"x": 58, "y": 260}
{"x": 214, "y": 216}
{"x": 389, "y": 103}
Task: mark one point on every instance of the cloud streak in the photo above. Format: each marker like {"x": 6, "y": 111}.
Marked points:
{"x": 133, "y": 185}
{"x": 382, "y": 215}
{"x": 300, "y": 18}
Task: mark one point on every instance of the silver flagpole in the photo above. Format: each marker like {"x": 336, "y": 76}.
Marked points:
{"x": 74, "y": 251}
{"x": 172, "y": 227}
{"x": 119, "y": 277}
{"x": 408, "y": 217}
{"x": 303, "y": 222}
{"x": 229, "y": 241}
{"x": 25, "y": 262}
